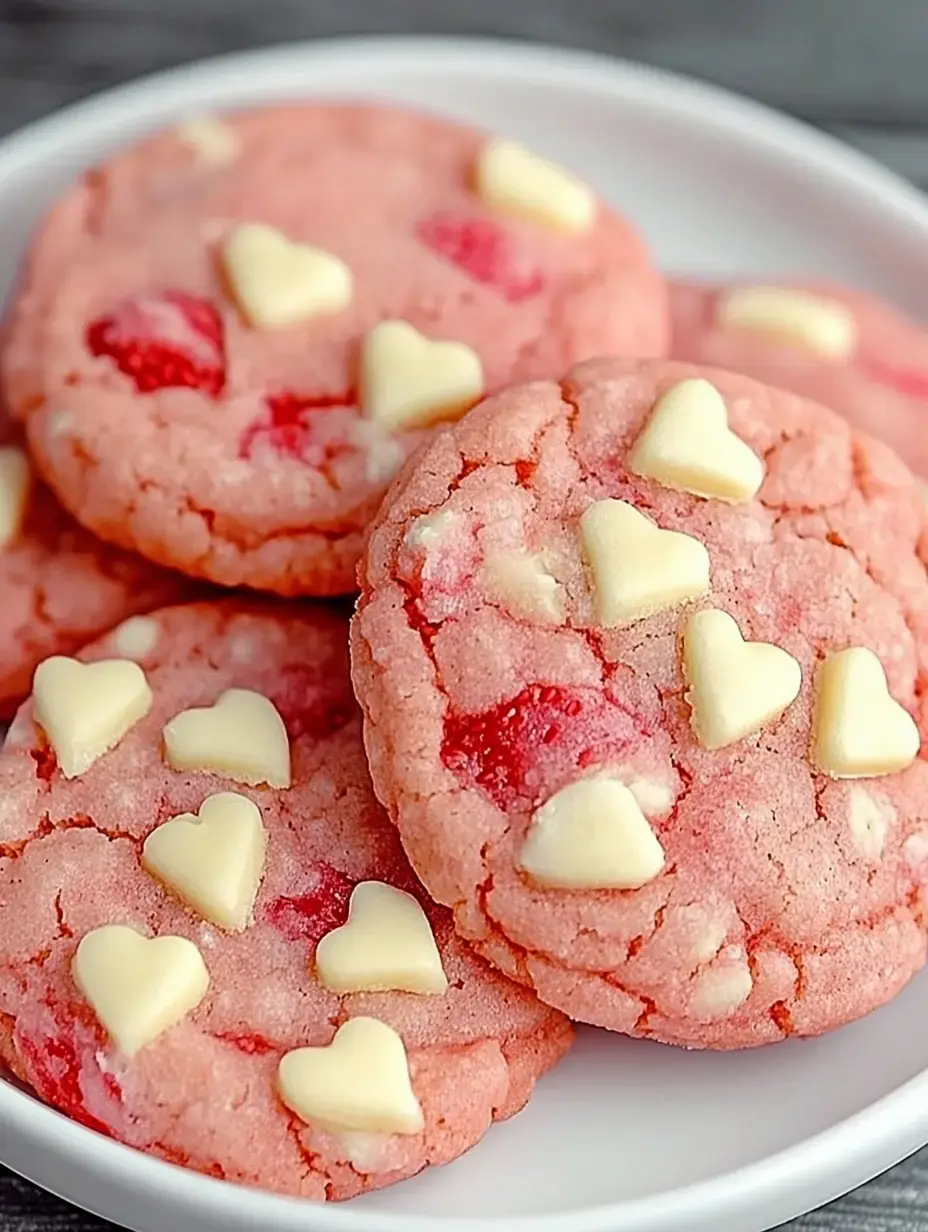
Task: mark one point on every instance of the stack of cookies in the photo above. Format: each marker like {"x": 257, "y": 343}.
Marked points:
{"x": 629, "y": 729}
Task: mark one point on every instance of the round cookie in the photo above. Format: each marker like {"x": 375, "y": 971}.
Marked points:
{"x": 250, "y": 988}
{"x": 630, "y": 810}
{"x": 60, "y": 586}
{"x": 851, "y": 351}
{"x": 195, "y": 343}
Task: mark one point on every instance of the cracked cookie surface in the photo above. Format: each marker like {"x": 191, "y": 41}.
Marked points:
{"x": 169, "y": 421}
{"x": 779, "y": 901}
{"x": 62, "y": 587}
{"x": 203, "y": 1093}
{"x": 880, "y": 385}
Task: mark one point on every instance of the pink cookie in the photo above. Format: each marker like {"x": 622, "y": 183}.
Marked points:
{"x": 873, "y": 370}
{"x": 60, "y": 586}
{"x": 673, "y": 855}
{"x": 209, "y": 1091}
{"x": 193, "y": 345}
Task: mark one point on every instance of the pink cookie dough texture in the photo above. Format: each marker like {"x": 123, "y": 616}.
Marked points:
{"x": 203, "y": 1093}
{"x": 880, "y": 388}
{"x": 800, "y": 894}
{"x": 61, "y": 587}
{"x": 170, "y": 425}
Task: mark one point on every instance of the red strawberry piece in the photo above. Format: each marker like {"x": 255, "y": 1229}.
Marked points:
{"x": 313, "y": 706}
{"x": 483, "y": 250}
{"x": 320, "y": 908}
{"x": 164, "y": 340}
{"x": 540, "y": 735}
{"x": 287, "y": 426}
{"x": 60, "y": 1054}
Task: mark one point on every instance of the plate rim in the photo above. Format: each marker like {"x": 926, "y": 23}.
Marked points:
{"x": 852, "y": 1151}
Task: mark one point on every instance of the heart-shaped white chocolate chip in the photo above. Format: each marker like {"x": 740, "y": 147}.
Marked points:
{"x": 241, "y": 736}
{"x": 512, "y": 179}
{"x": 687, "y": 444}
{"x": 788, "y": 314}
{"x": 638, "y": 568}
{"x": 735, "y": 687}
{"x": 387, "y": 945}
{"x": 210, "y": 137}
{"x": 859, "y": 730}
{"x": 138, "y": 986}
{"x": 15, "y": 482}
{"x": 591, "y": 835}
{"x": 358, "y": 1082}
{"x": 136, "y": 637}
{"x": 521, "y": 583}
{"x": 722, "y": 988}
{"x": 279, "y": 282}
{"x": 410, "y": 381}
{"x": 214, "y": 861}
{"x": 85, "y": 709}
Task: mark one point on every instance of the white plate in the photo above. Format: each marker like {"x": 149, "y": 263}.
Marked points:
{"x": 624, "y": 1135}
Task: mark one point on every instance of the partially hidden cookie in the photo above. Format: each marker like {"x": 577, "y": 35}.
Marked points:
{"x": 60, "y": 586}
{"x": 189, "y": 955}
{"x": 639, "y": 656}
{"x": 851, "y": 351}
{"x": 225, "y": 349}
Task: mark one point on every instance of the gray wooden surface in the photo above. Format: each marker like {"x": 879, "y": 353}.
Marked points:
{"x": 856, "y": 67}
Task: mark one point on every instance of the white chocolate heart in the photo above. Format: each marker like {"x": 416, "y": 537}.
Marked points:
{"x": 591, "y": 834}
{"x": 15, "y": 484}
{"x": 513, "y": 180}
{"x": 358, "y": 1082}
{"x": 735, "y": 687}
{"x": 136, "y": 637}
{"x": 410, "y": 381}
{"x": 859, "y": 729}
{"x": 788, "y": 314}
{"x": 386, "y": 945}
{"x": 521, "y": 583}
{"x": 428, "y": 530}
{"x": 639, "y": 569}
{"x": 722, "y": 988}
{"x": 212, "y": 139}
{"x": 138, "y": 986}
{"x": 213, "y": 860}
{"x": 687, "y": 444}
{"x": 869, "y": 816}
{"x": 279, "y": 282}
{"x": 85, "y": 709}
{"x": 241, "y": 736}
